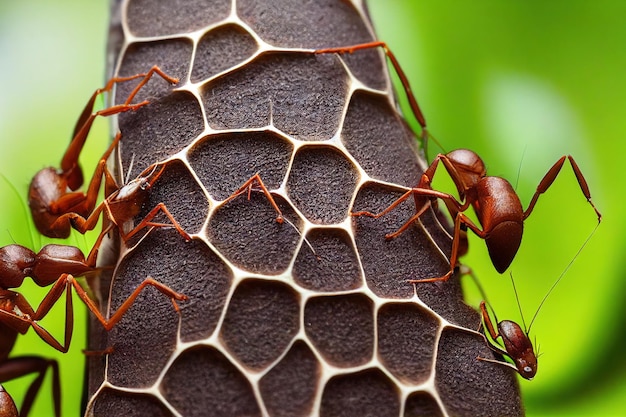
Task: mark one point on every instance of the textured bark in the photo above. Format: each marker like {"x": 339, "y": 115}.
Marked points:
{"x": 310, "y": 317}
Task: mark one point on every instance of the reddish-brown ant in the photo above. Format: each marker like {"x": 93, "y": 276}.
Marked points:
{"x": 517, "y": 344}
{"x": 54, "y": 265}
{"x": 49, "y": 198}
{"x": 494, "y": 200}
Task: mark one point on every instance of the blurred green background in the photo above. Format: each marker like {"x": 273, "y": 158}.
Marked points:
{"x": 52, "y": 59}
{"x": 520, "y": 83}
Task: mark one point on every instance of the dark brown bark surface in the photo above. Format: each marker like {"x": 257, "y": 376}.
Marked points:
{"x": 313, "y": 316}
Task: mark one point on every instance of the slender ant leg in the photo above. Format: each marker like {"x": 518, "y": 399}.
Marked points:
{"x": 248, "y": 185}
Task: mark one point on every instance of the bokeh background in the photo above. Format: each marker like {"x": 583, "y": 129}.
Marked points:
{"x": 520, "y": 83}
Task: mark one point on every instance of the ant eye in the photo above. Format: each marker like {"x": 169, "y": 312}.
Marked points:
{"x": 527, "y": 369}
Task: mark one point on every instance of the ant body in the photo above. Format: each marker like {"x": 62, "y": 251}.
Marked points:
{"x": 56, "y": 210}
{"x": 121, "y": 203}
{"x": 493, "y": 199}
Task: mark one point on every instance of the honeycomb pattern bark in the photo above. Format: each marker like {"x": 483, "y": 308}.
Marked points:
{"x": 313, "y": 316}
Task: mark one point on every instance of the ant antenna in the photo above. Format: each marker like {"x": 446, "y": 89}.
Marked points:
{"x": 19, "y": 198}
{"x": 561, "y": 276}
{"x": 303, "y": 238}
{"x": 426, "y": 136}
{"x": 130, "y": 168}
{"x": 519, "y": 168}
{"x": 519, "y": 306}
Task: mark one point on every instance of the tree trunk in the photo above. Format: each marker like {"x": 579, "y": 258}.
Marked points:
{"x": 312, "y": 316}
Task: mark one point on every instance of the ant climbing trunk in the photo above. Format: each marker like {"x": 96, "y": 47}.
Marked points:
{"x": 266, "y": 149}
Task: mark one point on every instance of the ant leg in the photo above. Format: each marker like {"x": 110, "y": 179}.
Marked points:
{"x": 69, "y": 162}
{"x": 429, "y": 193}
{"x": 409, "y": 222}
{"x": 487, "y": 320}
{"x": 417, "y": 112}
{"x": 147, "y": 221}
{"x": 93, "y": 253}
{"x": 28, "y": 318}
{"x": 146, "y": 77}
{"x": 110, "y": 323}
{"x": 549, "y": 178}
{"x": 248, "y": 185}
{"x": 460, "y": 219}
{"x": 85, "y": 202}
{"x": 385, "y": 211}
{"x": 13, "y": 368}
{"x": 78, "y": 222}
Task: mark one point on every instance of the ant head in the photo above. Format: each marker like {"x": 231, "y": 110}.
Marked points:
{"x": 527, "y": 365}
{"x": 468, "y": 164}
{"x": 467, "y": 168}
{"x": 16, "y": 263}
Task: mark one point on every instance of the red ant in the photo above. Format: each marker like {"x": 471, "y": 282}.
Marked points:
{"x": 54, "y": 265}
{"x": 49, "y": 198}
{"x": 56, "y": 211}
{"x": 494, "y": 200}
{"x": 517, "y": 344}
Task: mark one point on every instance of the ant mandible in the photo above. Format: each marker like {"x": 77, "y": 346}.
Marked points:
{"x": 49, "y": 198}
{"x": 54, "y": 265}
{"x": 494, "y": 200}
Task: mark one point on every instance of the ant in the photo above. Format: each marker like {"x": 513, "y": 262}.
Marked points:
{"x": 54, "y": 265}
{"x": 56, "y": 212}
{"x": 517, "y": 344}
{"x": 52, "y": 192}
{"x": 495, "y": 202}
